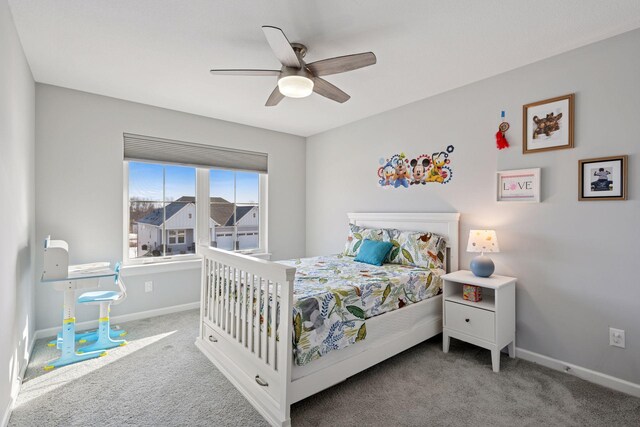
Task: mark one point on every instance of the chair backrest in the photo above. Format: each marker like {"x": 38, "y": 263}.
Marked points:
{"x": 118, "y": 281}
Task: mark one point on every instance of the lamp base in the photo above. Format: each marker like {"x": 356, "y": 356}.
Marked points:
{"x": 482, "y": 266}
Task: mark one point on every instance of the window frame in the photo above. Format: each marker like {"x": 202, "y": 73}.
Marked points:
{"x": 176, "y": 233}
{"x": 201, "y": 232}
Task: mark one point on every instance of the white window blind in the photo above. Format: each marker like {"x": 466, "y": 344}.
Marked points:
{"x": 160, "y": 150}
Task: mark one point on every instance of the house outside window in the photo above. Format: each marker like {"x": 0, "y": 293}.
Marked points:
{"x": 235, "y": 210}
{"x": 161, "y": 210}
{"x": 162, "y": 214}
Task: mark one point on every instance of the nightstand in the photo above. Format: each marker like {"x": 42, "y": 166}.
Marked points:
{"x": 489, "y": 323}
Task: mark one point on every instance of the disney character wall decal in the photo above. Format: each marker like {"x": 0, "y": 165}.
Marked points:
{"x": 402, "y": 175}
{"x": 419, "y": 167}
{"x": 388, "y": 172}
{"x": 398, "y": 171}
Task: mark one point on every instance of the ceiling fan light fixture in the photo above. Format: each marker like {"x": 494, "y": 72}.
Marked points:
{"x": 296, "y": 78}
{"x": 295, "y": 86}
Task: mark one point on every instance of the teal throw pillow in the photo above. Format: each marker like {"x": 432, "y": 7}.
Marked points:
{"x": 373, "y": 252}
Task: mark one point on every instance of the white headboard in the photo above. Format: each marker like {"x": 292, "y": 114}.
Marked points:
{"x": 444, "y": 224}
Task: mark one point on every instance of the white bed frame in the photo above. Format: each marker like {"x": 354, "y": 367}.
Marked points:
{"x": 265, "y": 372}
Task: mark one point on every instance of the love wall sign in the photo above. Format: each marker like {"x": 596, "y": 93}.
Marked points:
{"x": 519, "y": 186}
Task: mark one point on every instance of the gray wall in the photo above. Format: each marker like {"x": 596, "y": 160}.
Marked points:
{"x": 575, "y": 261}
{"x": 80, "y": 187}
{"x": 17, "y": 112}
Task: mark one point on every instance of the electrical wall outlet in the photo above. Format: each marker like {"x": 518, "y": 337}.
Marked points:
{"x": 616, "y": 337}
{"x": 148, "y": 286}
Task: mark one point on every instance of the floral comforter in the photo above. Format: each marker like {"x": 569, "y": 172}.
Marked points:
{"x": 334, "y": 295}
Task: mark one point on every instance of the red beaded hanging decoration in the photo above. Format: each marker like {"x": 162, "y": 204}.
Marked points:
{"x": 501, "y": 141}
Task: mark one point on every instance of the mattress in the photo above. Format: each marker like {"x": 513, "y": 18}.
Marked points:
{"x": 419, "y": 321}
{"x": 381, "y": 288}
{"x": 335, "y": 295}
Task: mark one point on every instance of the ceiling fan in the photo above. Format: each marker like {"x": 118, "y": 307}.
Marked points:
{"x": 297, "y": 79}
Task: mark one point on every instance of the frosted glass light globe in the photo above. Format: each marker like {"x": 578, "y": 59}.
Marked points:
{"x": 295, "y": 86}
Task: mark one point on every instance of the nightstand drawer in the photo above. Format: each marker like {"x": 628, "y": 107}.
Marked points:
{"x": 470, "y": 320}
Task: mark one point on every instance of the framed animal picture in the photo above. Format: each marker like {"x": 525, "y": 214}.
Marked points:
{"x": 604, "y": 178}
{"x": 548, "y": 125}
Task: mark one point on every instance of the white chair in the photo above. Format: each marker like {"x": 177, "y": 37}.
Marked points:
{"x": 104, "y": 299}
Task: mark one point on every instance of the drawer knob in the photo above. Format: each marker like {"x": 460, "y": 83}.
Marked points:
{"x": 466, "y": 320}
{"x": 212, "y": 339}
{"x": 261, "y": 382}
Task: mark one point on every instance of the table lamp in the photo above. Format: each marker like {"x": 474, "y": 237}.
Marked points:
{"x": 482, "y": 241}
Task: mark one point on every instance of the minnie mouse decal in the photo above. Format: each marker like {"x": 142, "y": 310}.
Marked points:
{"x": 398, "y": 171}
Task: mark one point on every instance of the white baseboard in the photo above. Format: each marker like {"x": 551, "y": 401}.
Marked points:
{"x": 23, "y": 370}
{"x": 14, "y": 392}
{"x": 51, "y": 332}
{"x": 599, "y": 378}
{"x": 6, "y": 414}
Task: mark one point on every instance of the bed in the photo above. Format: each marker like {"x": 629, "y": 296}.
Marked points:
{"x": 248, "y": 306}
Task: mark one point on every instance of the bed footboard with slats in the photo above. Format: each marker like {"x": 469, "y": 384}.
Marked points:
{"x": 246, "y": 327}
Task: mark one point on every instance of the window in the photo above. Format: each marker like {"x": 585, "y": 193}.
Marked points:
{"x": 162, "y": 217}
{"x": 177, "y": 237}
{"x": 162, "y": 210}
{"x": 161, "y": 206}
{"x": 235, "y": 210}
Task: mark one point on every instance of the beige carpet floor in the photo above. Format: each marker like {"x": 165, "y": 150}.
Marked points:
{"x": 162, "y": 379}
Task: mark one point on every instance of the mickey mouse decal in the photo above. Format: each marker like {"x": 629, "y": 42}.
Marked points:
{"x": 419, "y": 167}
{"x": 398, "y": 171}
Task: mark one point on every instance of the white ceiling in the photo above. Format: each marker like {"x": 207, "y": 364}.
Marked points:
{"x": 160, "y": 52}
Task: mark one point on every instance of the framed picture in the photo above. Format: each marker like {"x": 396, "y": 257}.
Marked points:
{"x": 604, "y": 178}
{"x": 547, "y": 125}
{"x": 519, "y": 186}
